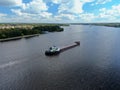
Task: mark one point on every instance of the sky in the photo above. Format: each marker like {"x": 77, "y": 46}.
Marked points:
{"x": 59, "y": 11}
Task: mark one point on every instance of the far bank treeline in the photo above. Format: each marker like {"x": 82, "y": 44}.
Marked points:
{"x": 14, "y": 32}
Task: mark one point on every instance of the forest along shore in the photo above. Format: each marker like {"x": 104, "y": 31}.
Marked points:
{"x": 13, "y": 32}
{"x": 117, "y": 25}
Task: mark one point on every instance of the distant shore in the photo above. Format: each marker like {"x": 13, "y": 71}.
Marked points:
{"x": 99, "y": 24}
{"x": 109, "y": 24}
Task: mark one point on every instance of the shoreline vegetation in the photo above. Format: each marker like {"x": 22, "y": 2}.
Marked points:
{"x": 12, "y": 31}
{"x": 18, "y": 31}
{"x": 117, "y": 25}
{"x": 100, "y": 24}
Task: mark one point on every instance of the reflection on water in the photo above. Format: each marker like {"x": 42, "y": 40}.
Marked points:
{"x": 93, "y": 65}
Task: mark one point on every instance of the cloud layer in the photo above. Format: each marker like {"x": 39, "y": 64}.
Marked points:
{"x": 67, "y": 11}
{"x": 10, "y": 2}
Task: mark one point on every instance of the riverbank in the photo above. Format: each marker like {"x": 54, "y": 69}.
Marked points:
{"x": 19, "y": 37}
{"x": 11, "y": 32}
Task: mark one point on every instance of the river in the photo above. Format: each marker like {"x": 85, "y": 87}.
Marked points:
{"x": 94, "y": 65}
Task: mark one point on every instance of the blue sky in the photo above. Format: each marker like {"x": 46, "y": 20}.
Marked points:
{"x": 59, "y": 11}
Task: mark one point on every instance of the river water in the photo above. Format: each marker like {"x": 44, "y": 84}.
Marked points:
{"x": 94, "y": 65}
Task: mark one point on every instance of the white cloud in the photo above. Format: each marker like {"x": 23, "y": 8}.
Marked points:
{"x": 35, "y": 6}
{"x": 110, "y": 14}
{"x": 24, "y": 16}
{"x": 30, "y": 17}
{"x": 10, "y": 2}
{"x": 65, "y": 17}
{"x": 36, "y": 10}
{"x": 68, "y": 11}
{"x": 17, "y": 11}
{"x": 100, "y": 2}
{"x": 56, "y": 1}
{"x": 88, "y": 17}
{"x": 2, "y": 15}
{"x": 103, "y": 1}
{"x": 105, "y": 15}
{"x": 72, "y": 6}
{"x": 46, "y": 15}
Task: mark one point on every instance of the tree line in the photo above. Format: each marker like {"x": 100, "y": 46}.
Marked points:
{"x": 14, "y": 32}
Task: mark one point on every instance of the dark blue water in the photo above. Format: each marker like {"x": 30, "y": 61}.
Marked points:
{"x": 94, "y": 65}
